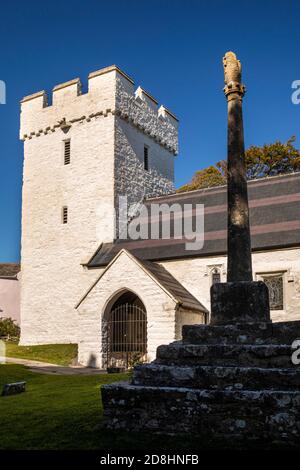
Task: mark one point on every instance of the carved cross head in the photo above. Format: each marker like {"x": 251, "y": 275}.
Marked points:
{"x": 232, "y": 68}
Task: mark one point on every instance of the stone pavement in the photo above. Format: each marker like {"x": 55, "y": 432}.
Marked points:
{"x": 54, "y": 369}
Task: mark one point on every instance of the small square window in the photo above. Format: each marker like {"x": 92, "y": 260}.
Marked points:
{"x": 65, "y": 215}
{"x": 146, "y": 158}
{"x": 67, "y": 152}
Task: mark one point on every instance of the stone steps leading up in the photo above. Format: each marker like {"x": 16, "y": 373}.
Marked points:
{"x": 217, "y": 377}
{"x": 245, "y": 355}
{"x": 227, "y": 383}
{"x": 242, "y": 333}
{"x": 230, "y": 416}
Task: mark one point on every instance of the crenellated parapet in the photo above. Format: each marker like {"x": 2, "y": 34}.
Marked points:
{"x": 110, "y": 92}
{"x": 141, "y": 109}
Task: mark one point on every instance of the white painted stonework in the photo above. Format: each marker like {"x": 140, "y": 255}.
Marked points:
{"x": 164, "y": 319}
{"x": 196, "y": 275}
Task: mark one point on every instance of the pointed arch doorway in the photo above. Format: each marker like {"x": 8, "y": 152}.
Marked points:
{"x": 124, "y": 332}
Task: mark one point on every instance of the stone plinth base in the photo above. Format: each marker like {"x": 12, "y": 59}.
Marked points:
{"x": 227, "y": 417}
{"x": 233, "y": 302}
{"x": 228, "y": 384}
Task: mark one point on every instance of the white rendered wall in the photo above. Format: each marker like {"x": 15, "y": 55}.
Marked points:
{"x": 124, "y": 274}
{"x": 195, "y": 275}
{"x": 52, "y": 276}
{"x": 186, "y": 317}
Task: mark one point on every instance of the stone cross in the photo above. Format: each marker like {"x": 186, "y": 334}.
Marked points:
{"x": 238, "y": 238}
{"x": 240, "y": 299}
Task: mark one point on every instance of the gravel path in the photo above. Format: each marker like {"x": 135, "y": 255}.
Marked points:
{"x": 46, "y": 368}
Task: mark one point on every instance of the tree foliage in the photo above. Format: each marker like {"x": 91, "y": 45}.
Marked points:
{"x": 268, "y": 160}
{"x": 206, "y": 178}
{"x": 272, "y": 159}
{"x": 9, "y": 329}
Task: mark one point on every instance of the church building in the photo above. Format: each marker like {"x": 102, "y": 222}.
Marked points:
{"x": 82, "y": 282}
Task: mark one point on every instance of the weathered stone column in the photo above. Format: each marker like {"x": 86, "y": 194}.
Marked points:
{"x": 239, "y": 268}
{"x": 239, "y": 299}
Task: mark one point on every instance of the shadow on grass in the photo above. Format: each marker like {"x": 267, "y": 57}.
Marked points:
{"x": 65, "y": 412}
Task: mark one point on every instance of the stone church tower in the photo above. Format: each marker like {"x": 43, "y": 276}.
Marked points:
{"x": 80, "y": 153}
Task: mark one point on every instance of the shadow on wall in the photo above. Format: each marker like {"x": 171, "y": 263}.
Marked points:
{"x": 92, "y": 362}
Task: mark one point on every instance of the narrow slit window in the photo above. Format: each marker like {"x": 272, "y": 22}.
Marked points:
{"x": 146, "y": 158}
{"x": 67, "y": 152}
{"x": 215, "y": 276}
{"x": 65, "y": 215}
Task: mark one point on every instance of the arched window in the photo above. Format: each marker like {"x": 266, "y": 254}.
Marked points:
{"x": 274, "y": 283}
{"x": 125, "y": 332}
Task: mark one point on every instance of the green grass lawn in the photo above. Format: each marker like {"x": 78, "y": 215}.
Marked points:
{"x": 65, "y": 412}
{"x": 55, "y": 412}
{"x": 61, "y": 354}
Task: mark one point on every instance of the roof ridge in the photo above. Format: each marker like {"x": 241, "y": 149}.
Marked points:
{"x": 211, "y": 188}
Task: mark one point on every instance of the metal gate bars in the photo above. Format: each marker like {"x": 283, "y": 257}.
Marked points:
{"x": 125, "y": 337}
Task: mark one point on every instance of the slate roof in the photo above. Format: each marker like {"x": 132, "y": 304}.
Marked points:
{"x": 9, "y": 270}
{"x": 180, "y": 293}
{"x": 274, "y": 218}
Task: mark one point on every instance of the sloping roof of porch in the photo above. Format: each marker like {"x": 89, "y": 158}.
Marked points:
{"x": 181, "y": 296}
{"x": 180, "y": 293}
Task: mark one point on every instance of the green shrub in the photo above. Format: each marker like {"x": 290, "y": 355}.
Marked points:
{"x": 9, "y": 329}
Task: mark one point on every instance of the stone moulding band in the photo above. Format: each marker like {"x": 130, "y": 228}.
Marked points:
{"x": 50, "y": 129}
{"x": 104, "y": 113}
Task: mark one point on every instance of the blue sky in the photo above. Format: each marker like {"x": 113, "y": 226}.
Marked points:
{"x": 173, "y": 49}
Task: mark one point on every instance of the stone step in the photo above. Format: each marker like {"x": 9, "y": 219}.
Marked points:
{"x": 217, "y": 377}
{"x": 242, "y": 333}
{"x": 245, "y": 355}
{"x": 226, "y": 416}
{"x": 286, "y": 332}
